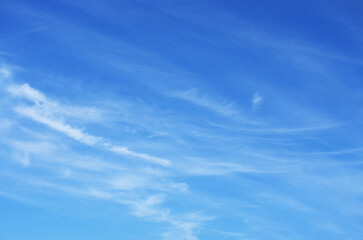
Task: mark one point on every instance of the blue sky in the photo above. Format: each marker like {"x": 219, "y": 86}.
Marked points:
{"x": 181, "y": 120}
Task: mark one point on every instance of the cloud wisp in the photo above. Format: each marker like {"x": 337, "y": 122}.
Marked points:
{"x": 45, "y": 112}
{"x": 257, "y": 100}
{"x": 273, "y": 154}
{"x": 220, "y": 107}
{"x": 128, "y": 190}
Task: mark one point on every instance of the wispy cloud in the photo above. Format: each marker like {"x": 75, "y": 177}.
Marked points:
{"x": 152, "y": 159}
{"x": 58, "y": 125}
{"x": 46, "y": 111}
{"x": 107, "y": 186}
{"x": 111, "y": 135}
{"x": 297, "y": 130}
{"x": 130, "y": 188}
{"x": 202, "y": 167}
{"x": 227, "y": 233}
{"x": 5, "y": 72}
{"x": 219, "y": 106}
{"x": 184, "y": 227}
{"x": 257, "y": 100}
{"x": 286, "y": 201}
{"x": 50, "y": 107}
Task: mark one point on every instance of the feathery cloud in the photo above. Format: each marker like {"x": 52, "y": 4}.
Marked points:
{"x": 256, "y": 100}
{"x": 46, "y": 112}
{"x": 219, "y": 106}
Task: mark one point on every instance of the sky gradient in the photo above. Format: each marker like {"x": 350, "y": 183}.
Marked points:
{"x": 181, "y": 120}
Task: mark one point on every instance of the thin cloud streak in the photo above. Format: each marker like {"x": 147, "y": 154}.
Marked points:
{"x": 316, "y": 183}
{"x": 43, "y": 112}
{"x": 221, "y": 107}
{"x": 221, "y": 168}
{"x": 58, "y": 125}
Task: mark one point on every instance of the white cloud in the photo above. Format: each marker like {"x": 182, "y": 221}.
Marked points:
{"x": 5, "y": 72}
{"x": 47, "y": 112}
{"x": 295, "y": 130}
{"x": 286, "y": 201}
{"x": 24, "y": 160}
{"x": 129, "y": 182}
{"x": 50, "y": 107}
{"x": 218, "y": 168}
{"x": 32, "y": 147}
{"x": 257, "y": 99}
{"x": 182, "y": 187}
{"x": 58, "y": 125}
{"x": 150, "y": 208}
{"x": 67, "y": 173}
{"x": 152, "y": 159}
{"x": 98, "y": 194}
{"x": 228, "y": 233}
{"x": 219, "y": 106}
{"x": 185, "y": 229}
{"x": 28, "y": 92}
{"x": 5, "y": 124}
